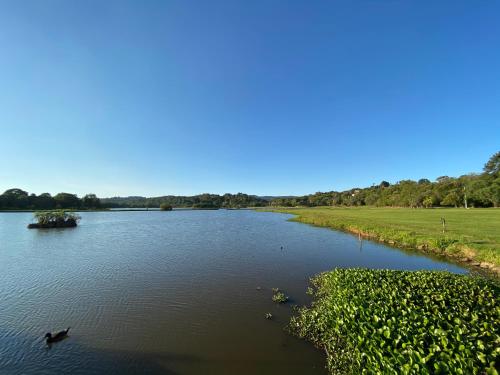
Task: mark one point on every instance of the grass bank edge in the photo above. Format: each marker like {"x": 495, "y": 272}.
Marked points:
{"x": 451, "y": 247}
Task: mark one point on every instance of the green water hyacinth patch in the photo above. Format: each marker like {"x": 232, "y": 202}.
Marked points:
{"x": 279, "y": 297}
{"x": 403, "y": 322}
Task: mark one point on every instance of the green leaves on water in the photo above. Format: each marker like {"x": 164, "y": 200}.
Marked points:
{"x": 382, "y": 321}
{"x": 279, "y": 297}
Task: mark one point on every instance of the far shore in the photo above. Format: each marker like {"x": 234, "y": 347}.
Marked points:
{"x": 135, "y": 209}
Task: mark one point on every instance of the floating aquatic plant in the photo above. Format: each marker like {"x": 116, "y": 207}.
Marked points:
{"x": 401, "y": 322}
{"x": 279, "y": 297}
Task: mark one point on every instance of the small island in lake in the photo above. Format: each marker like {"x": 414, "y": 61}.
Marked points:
{"x": 54, "y": 219}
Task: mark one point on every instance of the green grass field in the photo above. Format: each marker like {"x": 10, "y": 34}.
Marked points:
{"x": 472, "y": 234}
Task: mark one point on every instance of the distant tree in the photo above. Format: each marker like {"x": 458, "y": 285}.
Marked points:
{"x": 16, "y": 192}
{"x": 442, "y": 179}
{"x": 165, "y": 207}
{"x": 384, "y": 184}
{"x": 492, "y": 167}
{"x": 45, "y": 202}
{"x": 490, "y": 193}
{"x": 91, "y": 201}
{"x": 429, "y": 201}
{"x": 451, "y": 199}
{"x": 423, "y": 181}
{"x": 66, "y": 200}
{"x": 16, "y": 199}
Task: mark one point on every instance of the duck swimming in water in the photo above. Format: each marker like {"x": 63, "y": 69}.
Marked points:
{"x": 57, "y": 337}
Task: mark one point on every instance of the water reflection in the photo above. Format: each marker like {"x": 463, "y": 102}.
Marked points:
{"x": 168, "y": 292}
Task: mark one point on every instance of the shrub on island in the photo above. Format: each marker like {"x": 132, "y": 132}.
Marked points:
{"x": 54, "y": 219}
{"x": 165, "y": 207}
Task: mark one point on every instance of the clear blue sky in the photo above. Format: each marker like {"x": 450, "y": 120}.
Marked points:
{"x": 264, "y": 97}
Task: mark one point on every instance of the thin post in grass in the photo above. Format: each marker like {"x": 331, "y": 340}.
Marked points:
{"x": 443, "y": 223}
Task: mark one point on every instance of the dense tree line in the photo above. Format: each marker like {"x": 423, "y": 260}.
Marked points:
{"x": 478, "y": 190}
{"x": 239, "y": 200}
{"x": 17, "y": 199}
{"x": 475, "y": 190}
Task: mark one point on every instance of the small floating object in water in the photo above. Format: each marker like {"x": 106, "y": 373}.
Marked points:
{"x": 280, "y": 297}
{"x": 269, "y": 315}
{"x": 259, "y": 288}
{"x": 57, "y": 337}
{"x": 282, "y": 247}
{"x": 275, "y": 290}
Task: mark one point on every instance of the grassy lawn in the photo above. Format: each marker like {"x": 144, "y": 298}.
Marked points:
{"x": 473, "y": 234}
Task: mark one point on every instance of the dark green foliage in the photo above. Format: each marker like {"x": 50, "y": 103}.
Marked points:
{"x": 66, "y": 200}
{"x": 44, "y": 202}
{"x": 279, "y": 297}
{"x": 91, "y": 201}
{"x": 481, "y": 190}
{"x": 492, "y": 167}
{"x": 54, "y": 219}
{"x": 165, "y": 207}
{"x": 17, "y": 199}
{"x": 202, "y": 201}
{"x": 402, "y": 322}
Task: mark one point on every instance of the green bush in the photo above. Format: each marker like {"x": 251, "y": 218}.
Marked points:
{"x": 402, "y": 322}
{"x": 443, "y": 243}
{"x": 279, "y": 297}
{"x": 54, "y": 217}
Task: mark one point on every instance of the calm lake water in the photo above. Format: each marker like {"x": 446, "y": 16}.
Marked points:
{"x": 168, "y": 292}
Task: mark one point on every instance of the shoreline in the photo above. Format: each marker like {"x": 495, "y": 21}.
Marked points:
{"x": 464, "y": 256}
{"x": 128, "y": 209}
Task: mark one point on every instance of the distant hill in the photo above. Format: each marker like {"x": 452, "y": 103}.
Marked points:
{"x": 239, "y": 200}
{"x": 272, "y": 197}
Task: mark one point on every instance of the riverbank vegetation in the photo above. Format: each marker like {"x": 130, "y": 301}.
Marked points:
{"x": 165, "y": 207}
{"x": 201, "y": 201}
{"x": 467, "y": 235}
{"x": 472, "y": 190}
{"x": 54, "y": 219}
{"x": 402, "y": 322}
{"x": 17, "y": 199}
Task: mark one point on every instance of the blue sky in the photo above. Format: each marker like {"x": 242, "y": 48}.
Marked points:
{"x": 264, "y": 97}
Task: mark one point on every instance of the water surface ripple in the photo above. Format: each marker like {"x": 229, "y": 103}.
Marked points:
{"x": 168, "y": 292}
